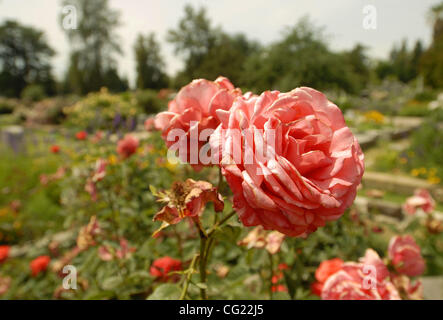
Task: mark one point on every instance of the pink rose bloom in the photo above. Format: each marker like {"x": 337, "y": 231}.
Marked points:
{"x": 421, "y": 199}
{"x": 197, "y": 102}
{"x": 123, "y": 252}
{"x": 308, "y": 177}
{"x": 91, "y": 188}
{"x": 100, "y": 170}
{"x": 127, "y": 146}
{"x": 351, "y": 281}
{"x": 405, "y": 256}
{"x": 150, "y": 124}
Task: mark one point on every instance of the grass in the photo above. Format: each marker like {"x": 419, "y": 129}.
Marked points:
{"x": 20, "y": 180}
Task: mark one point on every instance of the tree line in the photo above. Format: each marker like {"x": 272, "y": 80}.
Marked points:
{"x": 300, "y": 57}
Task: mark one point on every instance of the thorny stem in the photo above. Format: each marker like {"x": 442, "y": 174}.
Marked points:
{"x": 188, "y": 277}
{"x": 203, "y": 240}
{"x": 206, "y": 242}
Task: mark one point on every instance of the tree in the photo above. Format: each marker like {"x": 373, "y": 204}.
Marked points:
{"x": 359, "y": 63}
{"x": 24, "y": 59}
{"x": 300, "y": 58}
{"x": 193, "y": 39}
{"x": 431, "y": 62}
{"x": 149, "y": 63}
{"x": 94, "y": 45}
{"x": 227, "y": 57}
{"x": 402, "y": 63}
{"x": 416, "y": 55}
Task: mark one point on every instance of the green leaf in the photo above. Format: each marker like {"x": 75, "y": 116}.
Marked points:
{"x": 153, "y": 189}
{"x": 167, "y": 291}
{"x": 201, "y": 285}
{"x": 112, "y": 283}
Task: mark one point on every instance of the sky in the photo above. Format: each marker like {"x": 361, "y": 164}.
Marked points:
{"x": 258, "y": 19}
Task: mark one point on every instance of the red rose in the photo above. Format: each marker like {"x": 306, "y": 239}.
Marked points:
{"x": 405, "y": 256}
{"x": 127, "y": 146}
{"x": 328, "y": 268}
{"x": 81, "y": 135}
{"x": 323, "y": 272}
{"x": 316, "y": 288}
{"x": 55, "y": 149}
{"x": 307, "y": 177}
{"x": 366, "y": 280}
{"x": 162, "y": 266}
{"x": 194, "y": 110}
{"x": 278, "y": 277}
{"x": 39, "y": 264}
{"x": 4, "y": 253}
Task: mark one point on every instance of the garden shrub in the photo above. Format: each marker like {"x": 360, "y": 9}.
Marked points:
{"x": 103, "y": 110}
{"x": 149, "y": 101}
{"x": 33, "y": 92}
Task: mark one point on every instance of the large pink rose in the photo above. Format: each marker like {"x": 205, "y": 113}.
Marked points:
{"x": 309, "y": 174}
{"x": 353, "y": 281}
{"x": 405, "y": 256}
{"x": 194, "y": 110}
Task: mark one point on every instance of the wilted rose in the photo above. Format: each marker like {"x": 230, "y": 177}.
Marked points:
{"x": 407, "y": 289}
{"x": 187, "y": 199}
{"x": 259, "y": 238}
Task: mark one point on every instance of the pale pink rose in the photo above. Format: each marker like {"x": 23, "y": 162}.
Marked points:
{"x": 123, "y": 252}
{"x": 100, "y": 170}
{"x": 91, "y": 188}
{"x": 308, "y": 177}
{"x": 421, "y": 199}
{"x": 259, "y": 238}
{"x": 5, "y": 283}
{"x": 197, "y": 102}
{"x": 405, "y": 256}
{"x": 356, "y": 281}
{"x": 104, "y": 253}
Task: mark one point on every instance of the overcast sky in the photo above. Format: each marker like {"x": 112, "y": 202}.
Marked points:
{"x": 258, "y": 19}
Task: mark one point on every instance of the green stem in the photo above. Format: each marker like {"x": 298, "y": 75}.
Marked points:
{"x": 203, "y": 241}
{"x": 188, "y": 277}
{"x": 271, "y": 271}
{"x": 220, "y": 223}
